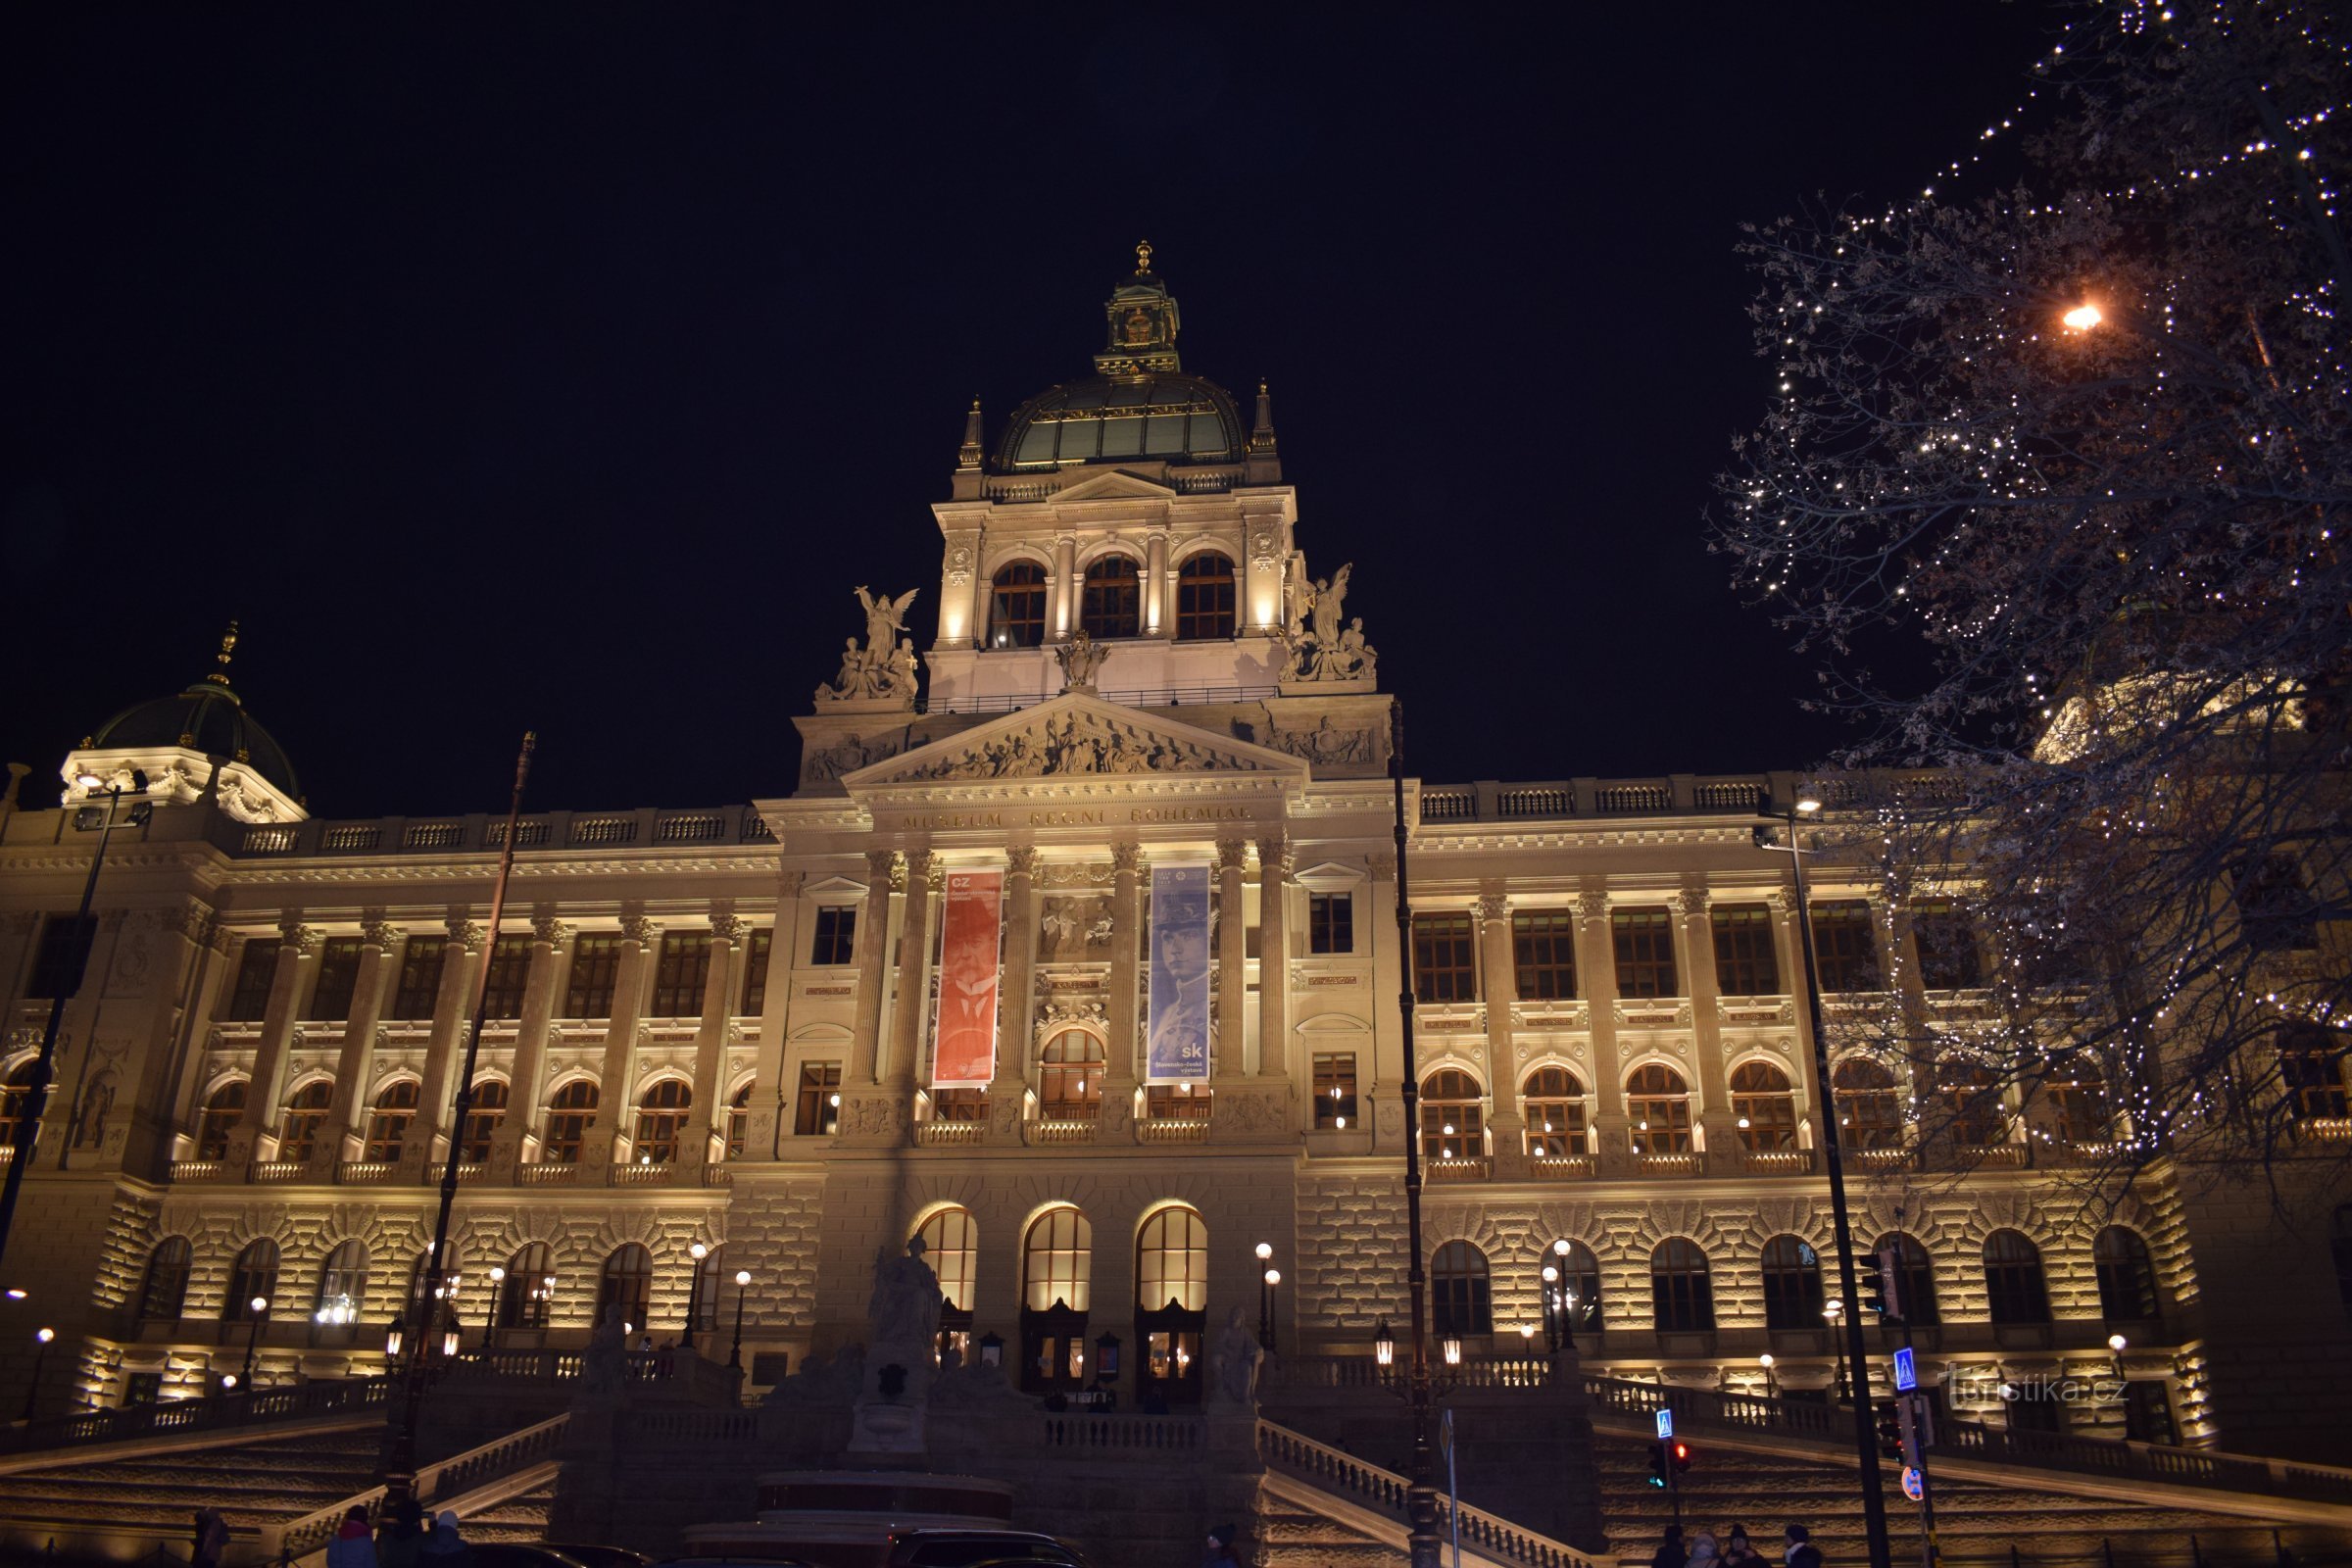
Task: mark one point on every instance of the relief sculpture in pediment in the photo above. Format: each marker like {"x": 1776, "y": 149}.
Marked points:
{"x": 1070, "y": 744}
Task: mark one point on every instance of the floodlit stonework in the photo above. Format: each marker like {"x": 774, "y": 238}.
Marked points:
{"x": 717, "y": 1025}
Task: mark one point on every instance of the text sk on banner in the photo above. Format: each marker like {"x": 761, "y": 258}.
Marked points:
{"x": 1178, "y": 1053}
{"x": 964, "y": 1055}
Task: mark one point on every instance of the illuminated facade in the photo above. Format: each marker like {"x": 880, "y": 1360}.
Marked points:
{"x": 719, "y": 1026}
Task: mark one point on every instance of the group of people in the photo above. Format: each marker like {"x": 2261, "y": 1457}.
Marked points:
{"x": 409, "y": 1539}
{"x": 1736, "y": 1551}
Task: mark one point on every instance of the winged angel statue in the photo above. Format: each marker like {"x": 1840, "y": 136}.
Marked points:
{"x": 884, "y": 668}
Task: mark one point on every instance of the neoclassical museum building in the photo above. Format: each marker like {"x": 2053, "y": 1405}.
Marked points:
{"x": 1071, "y": 949}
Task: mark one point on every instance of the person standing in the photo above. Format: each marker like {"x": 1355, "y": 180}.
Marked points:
{"x": 1739, "y": 1552}
{"x": 446, "y": 1549}
{"x": 1670, "y": 1554}
{"x": 1800, "y": 1552}
{"x": 1703, "y": 1552}
{"x": 1221, "y": 1552}
{"x": 211, "y": 1539}
{"x": 353, "y": 1545}
{"x": 404, "y": 1536}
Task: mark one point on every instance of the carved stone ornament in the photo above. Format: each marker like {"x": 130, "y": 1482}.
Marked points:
{"x": 466, "y": 934}
{"x": 850, "y": 753}
{"x": 1073, "y": 743}
{"x": 935, "y": 875}
{"x": 728, "y": 928}
{"x": 959, "y": 560}
{"x": 1330, "y": 742}
{"x": 1126, "y": 857}
{"x": 1054, "y": 1016}
{"x": 1081, "y": 660}
{"x": 554, "y": 932}
{"x": 883, "y": 670}
{"x": 1021, "y": 860}
{"x": 641, "y": 930}
{"x": 301, "y": 938}
{"x": 1263, "y": 541}
{"x": 1233, "y": 855}
{"x": 1277, "y": 855}
{"x": 1494, "y": 906}
{"x": 1320, "y": 648}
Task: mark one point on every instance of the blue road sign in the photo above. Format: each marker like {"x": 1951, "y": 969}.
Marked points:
{"x": 1906, "y": 1371}
{"x": 1665, "y": 1423}
{"x": 1911, "y": 1484}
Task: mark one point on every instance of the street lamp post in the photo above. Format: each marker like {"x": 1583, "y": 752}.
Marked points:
{"x": 253, "y": 1332}
{"x": 1853, "y": 1368}
{"x": 694, "y": 1294}
{"x": 1772, "y": 1384}
{"x": 1265, "y": 1296}
{"x": 498, "y": 1285}
{"x": 66, "y": 984}
{"x": 2115, "y": 1349}
{"x": 40, "y": 1356}
{"x": 743, "y": 1280}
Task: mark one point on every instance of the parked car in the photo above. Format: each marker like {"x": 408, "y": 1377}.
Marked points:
{"x": 979, "y": 1549}
{"x": 600, "y": 1556}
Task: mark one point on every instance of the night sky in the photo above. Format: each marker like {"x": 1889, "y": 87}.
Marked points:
{"x": 564, "y": 366}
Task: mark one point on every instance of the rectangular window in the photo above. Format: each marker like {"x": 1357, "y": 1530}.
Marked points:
{"x": 1544, "y": 955}
{"x": 65, "y": 948}
{"x": 755, "y": 974}
{"x": 595, "y": 973}
{"x": 2274, "y": 908}
{"x": 1949, "y": 959}
{"x": 142, "y": 1388}
{"x": 1644, "y": 941}
{"x": 419, "y": 984}
{"x": 1845, "y": 947}
{"x": 257, "y": 968}
{"x": 836, "y": 937}
{"x": 1444, "y": 968}
{"x": 1335, "y": 1090}
{"x": 1331, "y": 922}
{"x": 509, "y": 972}
{"x": 1747, "y": 961}
{"x": 338, "y": 978}
{"x": 678, "y": 979}
{"x": 819, "y": 1114}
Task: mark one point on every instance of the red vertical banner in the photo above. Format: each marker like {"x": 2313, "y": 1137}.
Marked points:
{"x": 965, "y": 1053}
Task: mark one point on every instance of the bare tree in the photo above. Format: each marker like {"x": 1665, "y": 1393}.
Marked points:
{"x": 2051, "y": 482}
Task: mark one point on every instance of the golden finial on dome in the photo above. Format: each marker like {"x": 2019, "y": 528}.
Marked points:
{"x": 229, "y": 647}
{"x": 1143, "y": 258}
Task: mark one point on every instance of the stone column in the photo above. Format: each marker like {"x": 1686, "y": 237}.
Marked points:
{"x": 1597, "y": 978}
{"x": 1791, "y": 951}
{"x": 1274, "y": 860}
{"x": 617, "y": 1075}
{"x": 710, "y": 1037}
{"x": 1381, "y": 1081}
{"x": 1232, "y": 961}
{"x": 885, "y": 873}
{"x": 1126, "y": 993}
{"x": 926, "y": 879}
{"x": 551, "y": 949}
{"x": 189, "y": 966}
{"x": 763, "y": 1128}
{"x": 1061, "y": 618}
{"x": 1159, "y": 603}
{"x": 289, "y": 985}
{"x": 1007, "y": 1089}
{"x": 380, "y": 948}
{"x": 1499, "y": 987}
{"x": 453, "y": 1015}
{"x": 1694, "y": 950}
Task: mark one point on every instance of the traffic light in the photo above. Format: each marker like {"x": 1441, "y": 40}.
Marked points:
{"x": 1882, "y": 1291}
{"x": 1657, "y": 1464}
{"x": 1681, "y": 1456}
{"x": 1891, "y": 1431}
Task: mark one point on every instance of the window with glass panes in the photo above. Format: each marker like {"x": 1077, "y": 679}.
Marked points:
{"x": 1793, "y": 1296}
{"x": 952, "y": 1246}
{"x": 1762, "y": 1108}
{"x": 627, "y": 1282}
{"x": 1445, "y": 965}
{"x": 1644, "y": 940}
{"x": 570, "y": 1111}
{"x": 1057, "y": 1262}
{"x": 2310, "y": 1072}
{"x": 2127, "y": 1276}
{"x": 595, "y": 974}
{"x": 1914, "y": 1277}
{"x": 255, "y": 1275}
{"x": 1870, "y": 1113}
{"x": 739, "y": 1117}
{"x": 661, "y": 1121}
{"x": 818, "y": 1112}
{"x": 1460, "y": 1291}
{"x": 338, "y": 978}
{"x": 221, "y": 1114}
{"x": 163, "y": 1294}
{"x": 305, "y": 1113}
{"x": 1161, "y": 1102}
{"x": 509, "y": 972}
{"x": 1681, "y": 1289}
{"x": 1017, "y": 608}
{"x": 257, "y": 968}
{"x": 483, "y": 1118}
{"x": 526, "y": 1294}
{"x": 1111, "y": 604}
{"x": 13, "y": 1096}
{"x": 1554, "y": 1102}
{"x": 1205, "y": 597}
{"x": 1171, "y": 1261}
{"x": 2015, "y": 1289}
{"x": 418, "y": 985}
{"x": 754, "y": 973}
{"x": 1845, "y": 945}
{"x": 1657, "y": 1102}
{"x": 1747, "y": 962}
{"x": 2077, "y": 1091}
{"x": 1330, "y": 922}
{"x": 1970, "y": 1102}
{"x": 680, "y": 974}
{"x": 1069, "y": 1076}
{"x": 1454, "y": 1117}
{"x": 1946, "y": 940}
{"x": 343, "y": 1283}
{"x": 1544, "y": 955}
{"x": 1335, "y": 1090}
{"x": 2275, "y": 909}
{"x": 835, "y": 939}
{"x": 388, "y": 1123}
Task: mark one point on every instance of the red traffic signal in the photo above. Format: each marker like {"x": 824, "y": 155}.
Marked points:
{"x": 1682, "y": 1455}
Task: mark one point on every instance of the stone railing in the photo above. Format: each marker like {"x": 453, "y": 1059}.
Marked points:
{"x": 356, "y": 1172}
{"x": 936, "y": 1134}
{"x": 547, "y": 1175}
{"x": 199, "y": 1170}
{"x": 1563, "y": 1167}
{"x": 1062, "y": 1132}
{"x": 294, "y": 1538}
{"x": 1459, "y": 1170}
{"x": 1173, "y": 1130}
{"x": 294, "y": 1402}
{"x": 646, "y": 1175}
{"x": 1778, "y": 1161}
{"x": 1680, "y": 1162}
{"x": 483, "y": 834}
{"x": 1383, "y": 1491}
{"x": 1528, "y": 1371}
{"x": 280, "y": 1170}
{"x": 1155, "y": 1434}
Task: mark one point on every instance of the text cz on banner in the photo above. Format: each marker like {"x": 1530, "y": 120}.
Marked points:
{"x": 965, "y": 1053}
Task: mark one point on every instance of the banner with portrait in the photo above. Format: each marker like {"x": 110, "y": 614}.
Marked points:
{"x": 1177, "y": 1027}
{"x": 963, "y": 1053}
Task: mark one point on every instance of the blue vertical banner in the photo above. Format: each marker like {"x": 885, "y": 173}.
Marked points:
{"x": 1178, "y": 1025}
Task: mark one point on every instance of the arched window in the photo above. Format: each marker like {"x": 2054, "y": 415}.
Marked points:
{"x": 570, "y": 1110}
{"x": 1460, "y": 1293}
{"x": 12, "y": 1094}
{"x": 661, "y": 1119}
{"x": 255, "y": 1275}
{"x": 2078, "y": 1092}
{"x": 306, "y": 1112}
{"x": 1580, "y": 1274}
{"x": 1870, "y": 1114}
{"x": 418, "y": 1270}
{"x": 1762, "y": 1108}
{"x": 2127, "y": 1276}
{"x": 165, "y": 1289}
{"x": 1453, "y": 1117}
{"x": 1112, "y": 605}
{"x": 526, "y": 1294}
{"x": 1554, "y": 1102}
{"x": 707, "y": 1275}
{"x": 1914, "y": 1278}
{"x": 220, "y": 1115}
{"x": 2014, "y": 1288}
{"x": 1070, "y": 1077}
{"x": 1205, "y": 597}
{"x": 1791, "y": 1284}
{"x": 1171, "y": 1261}
{"x": 1681, "y": 1293}
{"x": 388, "y": 1123}
{"x": 342, "y": 1285}
{"x": 628, "y": 1284}
{"x": 484, "y": 1118}
{"x": 1972, "y": 1101}
{"x": 952, "y": 1246}
{"x": 739, "y": 1120}
{"x": 1057, "y": 1262}
{"x": 1017, "y": 615}
{"x": 1658, "y": 1104}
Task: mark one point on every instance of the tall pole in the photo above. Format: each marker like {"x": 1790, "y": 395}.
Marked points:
{"x": 401, "y": 1411}
{"x": 1422, "y": 1540}
{"x": 67, "y": 985}
{"x": 1857, "y": 1368}
{"x": 694, "y": 1293}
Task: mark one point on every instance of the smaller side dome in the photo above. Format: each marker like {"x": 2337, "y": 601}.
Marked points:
{"x": 198, "y": 739}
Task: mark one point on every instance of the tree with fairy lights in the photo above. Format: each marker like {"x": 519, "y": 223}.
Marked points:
{"x": 2084, "y": 434}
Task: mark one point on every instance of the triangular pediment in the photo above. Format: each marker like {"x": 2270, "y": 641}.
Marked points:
{"x": 1072, "y": 737}
{"x": 1116, "y": 485}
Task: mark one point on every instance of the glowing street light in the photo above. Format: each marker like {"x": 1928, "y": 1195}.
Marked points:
{"x": 2083, "y": 316}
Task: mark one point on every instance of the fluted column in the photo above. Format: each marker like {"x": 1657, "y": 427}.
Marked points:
{"x": 884, "y": 874}
{"x": 614, "y": 1110}
{"x": 551, "y": 949}
{"x": 1597, "y": 978}
{"x": 769, "y": 1091}
{"x": 297, "y": 967}
{"x": 1159, "y": 604}
{"x": 1499, "y": 986}
{"x": 1126, "y": 989}
{"x": 187, "y": 1082}
{"x": 1788, "y": 947}
{"x": 1232, "y": 960}
{"x": 1007, "y": 1089}
{"x": 1063, "y": 619}
{"x": 710, "y": 1036}
{"x": 380, "y": 948}
{"x": 1274, "y": 861}
{"x": 452, "y": 1007}
{"x": 926, "y": 878}
{"x": 1694, "y": 950}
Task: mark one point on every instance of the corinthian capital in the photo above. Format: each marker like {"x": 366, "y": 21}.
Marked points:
{"x": 1126, "y": 857}
{"x": 466, "y": 934}
{"x": 296, "y": 935}
{"x": 1233, "y": 855}
{"x": 552, "y": 931}
{"x": 1276, "y": 856}
{"x": 641, "y": 930}
{"x": 1021, "y": 859}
